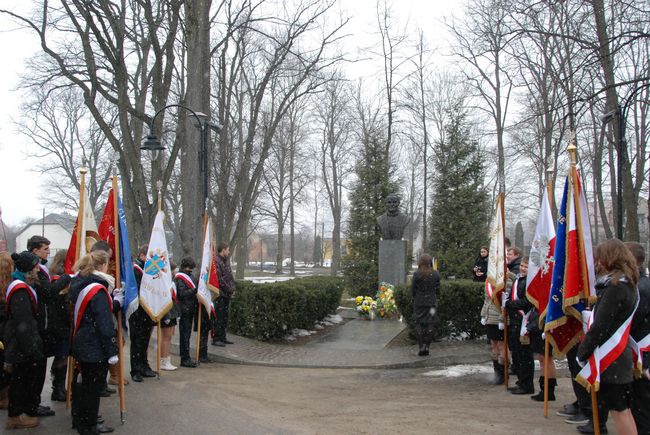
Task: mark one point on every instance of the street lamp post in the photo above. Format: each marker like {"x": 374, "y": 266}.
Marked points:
{"x": 152, "y": 143}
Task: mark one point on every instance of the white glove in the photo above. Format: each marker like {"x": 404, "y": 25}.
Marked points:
{"x": 501, "y": 326}
{"x": 647, "y": 374}
{"x": 113, "y": 360}
{"x": 483, "y": 321}
{"x": 118, "y": 296}
{"x": 543, "y": 336}
{"x": 586, "y": 315}
{"x": 581, "y": 363}
{"x": 432, "y": 311}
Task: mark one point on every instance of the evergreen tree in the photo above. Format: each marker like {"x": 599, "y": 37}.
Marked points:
{"x": 367, "y": 201}
{"x": 318, "y": 251}
{"x": 519, "y": 236}
{"x": 460, "y": 210}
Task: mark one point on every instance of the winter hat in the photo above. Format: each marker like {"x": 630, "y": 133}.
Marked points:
{"x": 25, "y": 261}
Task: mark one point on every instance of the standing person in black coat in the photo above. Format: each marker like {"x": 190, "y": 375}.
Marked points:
{"x": 226, "y": 292}
{"x": 94, "y": 340}
{"x": 140, "y": 328}
{"x": 616, "y": 291}
{"x": 640, "y": 330}
{"x": 24, "y": 357}
{"x": 479, "y": 272}
{"x": 52, "y": 325}
{"x": 6, "y": 269}
{"x": 186, "y": 293}
{"x": 425, "y": 285}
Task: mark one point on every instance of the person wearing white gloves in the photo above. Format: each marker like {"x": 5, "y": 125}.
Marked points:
{"x": 94, "y": 339}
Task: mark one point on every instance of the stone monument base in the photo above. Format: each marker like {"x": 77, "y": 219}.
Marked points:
{"x": 392, "y": 261}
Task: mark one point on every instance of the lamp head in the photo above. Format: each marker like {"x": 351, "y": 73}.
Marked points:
{"x": 152, "y": 143}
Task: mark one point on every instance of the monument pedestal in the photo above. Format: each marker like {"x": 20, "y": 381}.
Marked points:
{"x": 392, "y": 261}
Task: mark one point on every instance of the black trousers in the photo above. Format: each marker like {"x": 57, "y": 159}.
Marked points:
{"x": 185, "y": 331}
{"x": 87, "y": 393}
{"x": 641, "y": 405}
{"x": 583, "y": 396}
{"x": 140, "y": 328}
{"x": 25, "y": 387}
{"x": 206, "y": 325}
{"x": 514, "y": 345}
{"x": 222, "y": 307}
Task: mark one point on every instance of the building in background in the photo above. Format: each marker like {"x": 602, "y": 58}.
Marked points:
{"x": 56, "y": 227}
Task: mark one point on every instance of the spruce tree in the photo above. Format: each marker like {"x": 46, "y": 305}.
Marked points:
{"x": 460, "y": 210}
{"x": 367, "y": 201}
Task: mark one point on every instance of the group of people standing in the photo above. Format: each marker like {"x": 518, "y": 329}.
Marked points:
{"x": 623, "y": 292}
{"x": 47, "y": 313}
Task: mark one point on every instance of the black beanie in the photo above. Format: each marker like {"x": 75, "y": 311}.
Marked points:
{"x": 25, "y": 261}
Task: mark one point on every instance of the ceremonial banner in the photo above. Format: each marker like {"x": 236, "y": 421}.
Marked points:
{"x": 117, "y": 236}
{"x": 573, "y": 272}
{"x": 541, "y": 261}
{"x": 156, "y": 285}
{"x": 84, "y": 234}
{"x": 495, "y": 283}
{"x": 208, "y": 279}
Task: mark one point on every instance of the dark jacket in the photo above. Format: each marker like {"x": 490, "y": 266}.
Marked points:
{"x": 226, "y": 280}
{"x": 614, "y": 305}
{"x": 521, "y": 303}
{"x": 480, "y": 265}
{"x": 641, "y": 321}
{"x": 186, "y": 296}
{"x": 51, "y": 307}
{"x": 21, "y": 338}
{"x": 425, "y": 289}
{"x": 513, "y": 266}
{"x": 95, "y": 340}
{"x": 137, "y": 271}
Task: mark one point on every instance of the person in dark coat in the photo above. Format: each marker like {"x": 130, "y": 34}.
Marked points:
{"x": 140, "y": 328}
{"x": 479, "y": 272}
{"x": 6, "y": 269}
{"x": 51, "y": 321}
{"x": 186, "y": 294}
{"x": 94, "y": 340}
{"x": 424, "y": 288}
{"x": 24, "y": 356}
{"x": 522, "y": 354}
{"x": 640, "y": 330}
{"x": 226, "y": 292}
{"x": 616, "y": 291}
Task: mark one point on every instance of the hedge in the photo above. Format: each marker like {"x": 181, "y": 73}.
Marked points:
{"x": 269, "y": 311}
{"x": 459, "y": 308}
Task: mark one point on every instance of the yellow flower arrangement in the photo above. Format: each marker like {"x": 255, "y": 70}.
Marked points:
{"x": 386, "y": 306}
{"x": 366, "y": 306}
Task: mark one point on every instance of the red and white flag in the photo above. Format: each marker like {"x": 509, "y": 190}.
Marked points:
{"x": 540, "y": 263}
{"x": 208, "y": 279}
{"x": 84, "y": 235}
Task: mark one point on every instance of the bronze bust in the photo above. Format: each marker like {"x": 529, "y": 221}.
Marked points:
{"x": 393, "y": 222}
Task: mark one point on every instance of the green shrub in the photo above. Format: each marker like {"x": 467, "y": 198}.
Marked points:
{"x": 270, "y": 311}
{"x": 459, "y": 308}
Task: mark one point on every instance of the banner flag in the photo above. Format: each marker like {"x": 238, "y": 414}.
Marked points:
{"x": 85, "y": 228}
{"x": 208, "y": 279}
{"x": 541, "y": 260}
{"x": 495, "y": 283}
{"x": 156, "y": 285}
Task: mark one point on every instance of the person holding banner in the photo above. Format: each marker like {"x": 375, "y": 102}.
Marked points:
{"x": 24, "y": 357}
{"x": 226, "y": 292}
{"x": 140, "y": 328}
{"x": 616, "y": 304}
{"x": 94, "y": 339}
{"x": 186, "y": 293}
{"x": 640, "y": 332}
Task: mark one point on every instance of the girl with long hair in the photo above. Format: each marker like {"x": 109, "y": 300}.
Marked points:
{"x": 425, "y": 285}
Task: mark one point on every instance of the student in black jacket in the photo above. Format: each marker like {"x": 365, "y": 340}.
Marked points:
{"x": 94, "y": 341}
{"x": 186, "y": 293}
{"x": 23, "y": 343}
{"x": 140, "y": 328}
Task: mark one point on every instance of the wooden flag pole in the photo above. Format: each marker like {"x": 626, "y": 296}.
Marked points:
{"x": 118, "y": 282}
{"x": 505, "y": 280}
{"x": 82, "y": 171}
{"x": 546, "y": 363}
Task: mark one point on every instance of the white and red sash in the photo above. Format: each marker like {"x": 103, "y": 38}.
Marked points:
{"x": 137, "y": 267}
{"x": 515, "y": 296}
{"x": 18, "y": 285}
{"x": 605, "y": 354}
{"x": 45, "y": 270}
{"x": 82, "y": 302}
{"x": 638, "y": 348}
{"x": 186, "y": 278}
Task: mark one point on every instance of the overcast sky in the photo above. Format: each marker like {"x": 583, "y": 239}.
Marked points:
{"x": 19, "y": 194}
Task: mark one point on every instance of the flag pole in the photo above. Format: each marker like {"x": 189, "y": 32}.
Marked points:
{"x": 504, "y": 311}
{"x": 158, "y": 331}
{"x": 82, "y": 172}
{"x": 547, "y": 347}
{"x": 118, "y": 281}
{"x": 572, "y": 149}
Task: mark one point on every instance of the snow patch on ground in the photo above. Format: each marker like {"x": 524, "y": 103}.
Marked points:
{"x": 459, "y": 370}
{"x": 333, "y": 318}
{"x": 301, "y": 332}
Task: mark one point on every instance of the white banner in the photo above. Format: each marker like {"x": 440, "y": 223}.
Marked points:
{"x": 156, "y": 286}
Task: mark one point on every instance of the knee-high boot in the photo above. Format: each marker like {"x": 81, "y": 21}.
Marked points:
{"x": 552, "y": 383}
{"x": 499, "y": 373}
{"x": 58, "y": 383}
{"x": 419, "y": 335}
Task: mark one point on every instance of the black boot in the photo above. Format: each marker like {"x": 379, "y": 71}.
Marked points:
{"x": 552, "y": 383}
{"x": 419, "y": 335}
{"x": 499, "y": 373}
{"x": 58, "y": 384}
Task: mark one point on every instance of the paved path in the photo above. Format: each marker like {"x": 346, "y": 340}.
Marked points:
{"x": 355, "y": 344}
